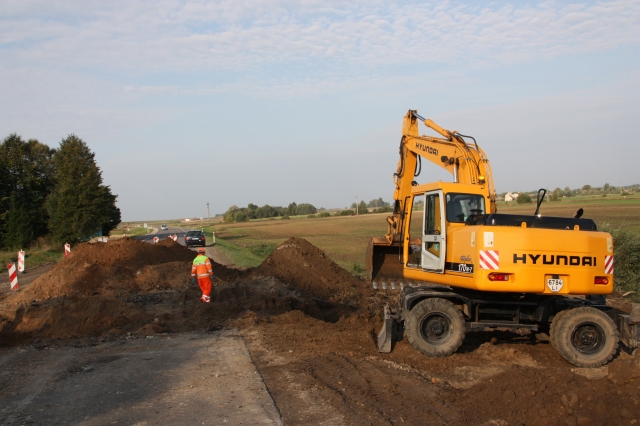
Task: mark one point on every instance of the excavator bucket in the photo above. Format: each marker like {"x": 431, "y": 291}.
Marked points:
{"x": 383, "y": 261}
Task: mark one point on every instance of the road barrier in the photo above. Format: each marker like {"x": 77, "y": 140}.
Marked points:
{"x": 21, "y": 261}
{"x": 67, "y": 250}
{"x": 13, "y": 276}
{"x": 175, "y": 237}
{"x": 155, "y": 240}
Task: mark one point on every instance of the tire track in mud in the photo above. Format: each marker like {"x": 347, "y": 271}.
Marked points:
{"x": 393, "y": 394}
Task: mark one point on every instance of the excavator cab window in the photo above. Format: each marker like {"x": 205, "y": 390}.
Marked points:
{"x": 415, "y": 231}
{"x": 460, "y": 207}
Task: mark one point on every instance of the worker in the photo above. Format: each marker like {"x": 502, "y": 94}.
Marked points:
{"x": 202, "y": 273}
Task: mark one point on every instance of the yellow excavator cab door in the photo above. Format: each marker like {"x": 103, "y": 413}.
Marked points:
{"x": 434, "y": 242}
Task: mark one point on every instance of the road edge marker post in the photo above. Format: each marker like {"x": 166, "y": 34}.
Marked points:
{"x": 67, "y": 250}
{"x": 21, "y": 262}
{"x": 155, "y": 240}
{"x": 13, "y": 276}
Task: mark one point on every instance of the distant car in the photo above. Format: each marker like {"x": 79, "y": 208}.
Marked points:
{"x": 195, "y": 238}
{"x": 164, "y": 227}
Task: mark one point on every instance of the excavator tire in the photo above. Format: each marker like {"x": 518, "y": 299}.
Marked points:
{"x": 554, "y": 325}
{"x": 586, "y": 337}
{"x": 435, "y": 327}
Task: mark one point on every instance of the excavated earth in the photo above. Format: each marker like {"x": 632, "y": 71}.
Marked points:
{"x": 311, "y": 329}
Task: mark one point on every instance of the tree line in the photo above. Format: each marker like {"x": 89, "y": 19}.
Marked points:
{"x": 252, "y": 211}
{"x": 54, "y": 193}
{"x": 558, "y": 193}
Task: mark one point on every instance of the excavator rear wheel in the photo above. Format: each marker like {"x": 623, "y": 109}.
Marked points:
{"x": 554, "y": 325}
{"x": 435, "y": 327}
{"x": 586, "y": 337}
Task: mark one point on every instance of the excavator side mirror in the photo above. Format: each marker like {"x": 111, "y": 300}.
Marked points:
{"x": 578, "y": 214}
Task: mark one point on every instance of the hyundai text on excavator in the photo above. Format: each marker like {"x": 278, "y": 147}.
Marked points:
{"x": 461, "y": 266}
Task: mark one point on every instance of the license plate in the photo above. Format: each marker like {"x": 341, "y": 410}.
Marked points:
{"x": 555, "y": 284}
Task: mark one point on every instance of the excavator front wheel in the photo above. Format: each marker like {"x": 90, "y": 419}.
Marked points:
{"x": 435, "y": 327}
{"x": 586, "y": 337}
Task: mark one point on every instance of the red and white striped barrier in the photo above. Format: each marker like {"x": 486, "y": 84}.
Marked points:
{"x": 21, "y": 261}
{"x": 13, "y": 276}
{"x": 67, "y": 250}
{"x": 175, "y": 237}
{"x": 155, "y": 240}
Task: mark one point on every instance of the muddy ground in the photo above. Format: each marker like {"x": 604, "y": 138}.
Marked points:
{"x": 310, "y": 327}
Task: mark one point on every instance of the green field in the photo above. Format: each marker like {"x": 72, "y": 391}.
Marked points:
{"x": 344, "y": 239}
{"x": 614, "y": 210}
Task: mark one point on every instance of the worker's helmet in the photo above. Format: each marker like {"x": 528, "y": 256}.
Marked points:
{"x": 201, "y": 250}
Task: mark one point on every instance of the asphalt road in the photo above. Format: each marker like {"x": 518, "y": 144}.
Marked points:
{"x": 177, "y": 379}
{"x": 180, "y": 232}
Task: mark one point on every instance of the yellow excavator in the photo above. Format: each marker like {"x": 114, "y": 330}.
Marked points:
{"x": 461, "y": 266}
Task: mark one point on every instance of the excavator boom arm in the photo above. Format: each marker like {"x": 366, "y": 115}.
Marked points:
{"x": 467, "y": 163}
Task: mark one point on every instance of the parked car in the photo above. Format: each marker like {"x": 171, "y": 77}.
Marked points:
{"x": 195, "y": 238}
{"x": 164, "y": 227}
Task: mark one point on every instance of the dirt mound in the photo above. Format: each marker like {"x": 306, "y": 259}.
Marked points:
{"x": 116, "y": 268}
{"x": 305, "y": 267}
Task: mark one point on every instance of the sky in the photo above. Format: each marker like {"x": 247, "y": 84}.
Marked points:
{"x": 186, "y": 103}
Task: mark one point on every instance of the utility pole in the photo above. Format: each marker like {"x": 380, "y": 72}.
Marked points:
{"x": 207, "y": 213}
{"x": 356, "y": 205}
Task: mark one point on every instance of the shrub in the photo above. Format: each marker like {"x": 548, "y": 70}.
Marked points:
{"x": 386, "y": 209}
{"x": 626, "y": 255}
{"x": 241, "y": 216}
{"x": 324, "y": 214}
{"x": 356, "y": 269}
{"x": 346, "y": 213}
{"x": 285, "y": 217}
{"x": 311, "y": 216}
{"x": 524, "y": 198}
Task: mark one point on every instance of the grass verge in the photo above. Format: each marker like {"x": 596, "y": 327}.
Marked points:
{"x": 33, "y": 258}
{"x": 245, "y": 255}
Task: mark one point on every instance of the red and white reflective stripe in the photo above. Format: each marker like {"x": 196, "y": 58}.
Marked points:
{"x": 608, "y": 264}
{"x": 20, "y": 261}
{"x": 489, "y": 259}
{"x": 67, "y": 250}
{"x": 13, "y": 276}
{"x": 155, "y": 240}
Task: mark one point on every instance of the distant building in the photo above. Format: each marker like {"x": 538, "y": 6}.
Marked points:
{"x": 511, "y": 196}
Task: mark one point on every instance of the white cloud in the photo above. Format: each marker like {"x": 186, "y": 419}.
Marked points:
{"x": 181, "y": 36}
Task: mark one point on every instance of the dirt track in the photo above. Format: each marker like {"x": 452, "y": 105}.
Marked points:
{"x": 310, "y": 327}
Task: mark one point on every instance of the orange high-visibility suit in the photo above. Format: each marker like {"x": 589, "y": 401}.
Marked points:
{"x": 201, "y": 270}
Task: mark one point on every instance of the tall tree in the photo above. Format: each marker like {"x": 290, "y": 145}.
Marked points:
{"x": 79, "y": 204}
{"x": 28, "y": 175}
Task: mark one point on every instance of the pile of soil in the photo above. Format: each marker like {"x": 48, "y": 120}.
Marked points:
{"x": 101, "y": 289}
{"x": 305, "y": 267}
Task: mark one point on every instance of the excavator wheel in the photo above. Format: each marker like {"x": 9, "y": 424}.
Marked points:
{"x": 435, "y": 327}
{"x": 585, "y": 337}
{"x": 554, "y": 324}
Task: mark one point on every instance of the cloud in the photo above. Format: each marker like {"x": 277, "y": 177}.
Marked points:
{"x": 175, "y": 36}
